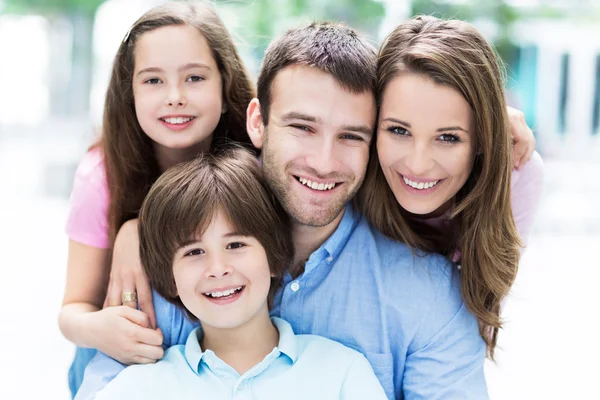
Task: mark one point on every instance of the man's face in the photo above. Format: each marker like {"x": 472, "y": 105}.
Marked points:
{"x": 316, "y": 143}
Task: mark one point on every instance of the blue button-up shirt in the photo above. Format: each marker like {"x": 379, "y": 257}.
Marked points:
{"x": 402, "y": 310}
{"x": 301, "y": 367}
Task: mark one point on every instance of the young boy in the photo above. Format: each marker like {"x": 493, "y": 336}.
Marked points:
{"x": 214, "y": 241}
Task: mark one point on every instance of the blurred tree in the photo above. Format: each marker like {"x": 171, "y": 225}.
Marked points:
{"x": 266, "y": 19}
{"x": 70, "y": 81}
{"x": 497, "y": 11}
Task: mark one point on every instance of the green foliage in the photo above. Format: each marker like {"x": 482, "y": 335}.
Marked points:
{"x": 265, "y": 19}
{"x": 48, "y": 7}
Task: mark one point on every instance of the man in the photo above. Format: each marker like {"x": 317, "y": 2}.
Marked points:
{"x": 314, "y": 120}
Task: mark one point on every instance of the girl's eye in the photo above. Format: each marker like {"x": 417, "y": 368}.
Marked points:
{"x": 195, "y": 78}
{"x": 397, "y": 130}
{"x": 194, "y": 252}
{"x": 235, "y": 245}
{"x": 153, "y": 81}
{"x": 449, "y": 138}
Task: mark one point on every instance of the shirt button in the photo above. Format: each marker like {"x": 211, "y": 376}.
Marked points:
{"x": 295, "y": 286}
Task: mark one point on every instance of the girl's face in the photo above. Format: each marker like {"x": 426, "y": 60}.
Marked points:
{"x": 425, "y": 143}
{"x": 177, "y": 88}
{"x": 222, "y": 277}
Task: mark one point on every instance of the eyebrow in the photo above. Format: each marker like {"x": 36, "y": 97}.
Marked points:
{"x": 227, "y": 235}
{"x": 364, "y": 129}
{"x": 182, "y": 68}
{"x": 445, "y": 129}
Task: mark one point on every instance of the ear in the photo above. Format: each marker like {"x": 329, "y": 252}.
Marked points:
{"x": 254, "y": 123}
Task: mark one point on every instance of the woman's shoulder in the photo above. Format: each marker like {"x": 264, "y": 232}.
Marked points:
{"x": 91, "y": 166}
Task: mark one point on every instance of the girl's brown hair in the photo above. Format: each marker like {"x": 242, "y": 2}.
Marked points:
{"x": 452, "y": 53}
{"x": 131, "y": 165}
{"x": 185, "y": 199}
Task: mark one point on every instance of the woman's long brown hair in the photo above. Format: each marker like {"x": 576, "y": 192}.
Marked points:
{"x": 454, "y": 54}
{"x": 131, "y": 164}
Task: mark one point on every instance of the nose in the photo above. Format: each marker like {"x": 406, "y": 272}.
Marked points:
{"x": 175, "y": 96}
{"x": 325, "y": 156}
{"x": 218, "y": 268}
{"x": 419, "y": 160}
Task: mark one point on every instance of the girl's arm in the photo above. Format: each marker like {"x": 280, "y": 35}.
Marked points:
{"x": 122, "y": 332}
{"x": 527, "y": 184}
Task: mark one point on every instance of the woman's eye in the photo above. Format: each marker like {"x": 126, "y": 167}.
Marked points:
{"x": 195, "y": 78}
{"x": 153, "y": 81}
{"x": 449, "y": 138}
{"x": 235, "y": 245}
{"x": 396, "y": 130}
{"x": 194, "y": 252}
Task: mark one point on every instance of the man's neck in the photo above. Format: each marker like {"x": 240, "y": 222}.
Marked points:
{"x": 307, "y": 239}
{"x": 245, "y": 346}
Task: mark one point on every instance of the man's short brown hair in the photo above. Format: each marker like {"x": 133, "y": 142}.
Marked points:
{"x": 184, "y": 201}
{"x": 331, "y": 47}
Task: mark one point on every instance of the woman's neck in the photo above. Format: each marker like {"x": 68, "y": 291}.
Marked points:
{"x": 168, "y": 157}
{"x": 245, "y": 346}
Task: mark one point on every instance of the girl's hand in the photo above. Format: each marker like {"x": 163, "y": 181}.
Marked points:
{"x": 127, "y": 275}
{"x": 523, "y": 139}
{"x": 124, "y": 334}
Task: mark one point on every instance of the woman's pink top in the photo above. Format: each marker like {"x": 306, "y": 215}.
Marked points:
{"x": 88, "y": 215}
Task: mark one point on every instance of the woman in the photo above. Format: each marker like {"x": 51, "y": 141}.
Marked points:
{"x": 439, "y": 177}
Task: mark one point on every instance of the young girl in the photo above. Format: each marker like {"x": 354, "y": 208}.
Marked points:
{"x": 215, "y": 242}
{"x": 178, "y": 89}
{"x": 439, "y": 178}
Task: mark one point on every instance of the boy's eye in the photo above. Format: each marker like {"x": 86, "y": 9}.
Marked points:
{"x": 195, "y": 78}
{"x": 153, "y": 81}
{"x": 235, "y": 245}
{"x": 449, "y": 138}
{"x": 194, "y": 252}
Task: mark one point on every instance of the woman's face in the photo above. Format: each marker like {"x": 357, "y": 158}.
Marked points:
{"x": 425, "y": 142}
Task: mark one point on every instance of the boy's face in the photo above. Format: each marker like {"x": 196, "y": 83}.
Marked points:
{"x": 316, "y": 143}
{"x": 223, "y": 278}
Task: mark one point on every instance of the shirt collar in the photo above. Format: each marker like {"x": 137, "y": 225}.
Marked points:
{"x": 331, "y": 249}
{"x": 287, "y": 339}
{"x": 287, "y": 344}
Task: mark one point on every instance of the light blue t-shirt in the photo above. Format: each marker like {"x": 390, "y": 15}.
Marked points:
{"x": 301, "y": 367}
{"x": 403, "y": 311}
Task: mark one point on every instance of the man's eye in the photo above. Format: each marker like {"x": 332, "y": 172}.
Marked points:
{"x": 350, "y": 136}
{"x": 396, "y": 130}
{"x": 194, "y": 252}
{"x": 153, "y": 81}
{"x": 301, "y": 127}
{"x": 195, "y": 78}
{"x": 235, "y": 245}
{"x": 449, "y": 138}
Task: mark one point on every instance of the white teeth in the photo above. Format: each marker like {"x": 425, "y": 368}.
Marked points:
{"x": 178, "y": 120}
{"x": 315, "y": 185}
{"x": 420, "y": 185}
{"x": 225, "y": 293}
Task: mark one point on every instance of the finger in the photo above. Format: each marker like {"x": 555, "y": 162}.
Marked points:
{"x": 114, "y": 296}
{"x": 145, "y": 298}
{"x": 129, "y": 287}
{"x": 143, "y": 360}
{"x": 151, "y": 337}
{"x": 135, "y": 316}
{"x": 150, "y": 352}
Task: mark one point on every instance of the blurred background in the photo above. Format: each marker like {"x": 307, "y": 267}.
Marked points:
{"x": 55, "y": 62}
